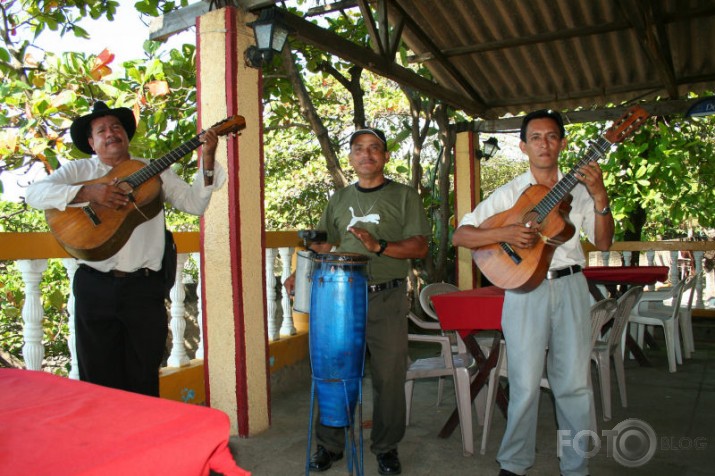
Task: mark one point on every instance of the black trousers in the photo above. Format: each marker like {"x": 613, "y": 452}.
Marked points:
{"x": 121, "y": 328}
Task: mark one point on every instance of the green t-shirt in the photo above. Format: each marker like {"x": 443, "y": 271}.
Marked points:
{"x": 391, "y": 212}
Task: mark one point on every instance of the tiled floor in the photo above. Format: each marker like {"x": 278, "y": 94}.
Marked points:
{"x": 680, "y": 407}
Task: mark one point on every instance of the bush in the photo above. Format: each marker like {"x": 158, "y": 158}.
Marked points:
{"x": 54, "y": 289}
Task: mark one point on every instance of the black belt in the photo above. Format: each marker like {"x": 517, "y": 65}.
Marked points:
{"x": 115, "y": 273}
{"x": 376, "y": 288}
{"x": 560, "y": 273}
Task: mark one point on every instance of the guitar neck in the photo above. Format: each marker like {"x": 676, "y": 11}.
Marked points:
{"x": 595, "y": 151}
{"x": 157, "y": 166}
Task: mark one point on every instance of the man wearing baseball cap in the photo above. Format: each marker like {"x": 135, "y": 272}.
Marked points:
{"x": 385, "y": 221}
{"x": 120, "y": 315}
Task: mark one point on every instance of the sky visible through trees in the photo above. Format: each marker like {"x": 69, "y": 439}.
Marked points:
{"x": 124, "y": 37}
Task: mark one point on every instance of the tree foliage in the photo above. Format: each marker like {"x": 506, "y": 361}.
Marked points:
{"x": 659, "y": 180}
{"x": 42, "y": 92}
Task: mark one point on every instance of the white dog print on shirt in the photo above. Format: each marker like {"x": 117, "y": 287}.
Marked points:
{"x": 370, "y": 218}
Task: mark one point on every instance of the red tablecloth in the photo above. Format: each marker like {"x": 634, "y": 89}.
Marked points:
{"x": 633, "y": 275}
{"x": 470, "y": 311}
{"x": 52, "y": 425}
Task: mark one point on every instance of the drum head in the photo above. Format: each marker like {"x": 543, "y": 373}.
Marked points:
{"x": 342, "y": 258}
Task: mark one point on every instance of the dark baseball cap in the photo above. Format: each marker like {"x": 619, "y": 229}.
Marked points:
{"x": 376, "y": 132}
{"x": 542, "y": 114}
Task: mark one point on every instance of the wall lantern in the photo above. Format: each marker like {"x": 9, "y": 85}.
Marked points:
{"x": 271, "y": 35}
{"x": 489, "y": 148}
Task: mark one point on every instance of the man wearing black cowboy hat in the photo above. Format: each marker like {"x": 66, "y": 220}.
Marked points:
{"x": 120, "y": 316}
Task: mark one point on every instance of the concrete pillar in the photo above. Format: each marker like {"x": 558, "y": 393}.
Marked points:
{"x": 232, "y": 234}
{"x": 467, "y": 187}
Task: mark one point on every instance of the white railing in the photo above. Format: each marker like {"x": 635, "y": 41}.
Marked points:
{"x": 671, "y": 258}
{"x": 279, "y": 324}
{"x": 278, "y": 304}
{"x": 280, "y": 320}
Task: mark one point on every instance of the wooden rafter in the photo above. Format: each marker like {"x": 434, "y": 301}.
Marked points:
{"x": 650, "y": 30}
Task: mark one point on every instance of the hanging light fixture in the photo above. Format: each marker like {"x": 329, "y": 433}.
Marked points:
{"x": 489, "y": 148}
{"x": 271, "y": 35}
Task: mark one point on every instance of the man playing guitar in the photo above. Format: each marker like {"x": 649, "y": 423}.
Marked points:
{"x": 120, "y": 314}
{"x": 554, "y": 315}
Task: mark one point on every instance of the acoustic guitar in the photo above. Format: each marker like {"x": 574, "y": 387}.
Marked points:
{"x": 94, "y": 232}
{"x": 523, "y": 269}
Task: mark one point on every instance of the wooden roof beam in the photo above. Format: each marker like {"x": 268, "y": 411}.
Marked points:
{"x": 650, "y": 31}
{"x": 330, "y": 42}
{"x": 511, "y": 124}
{"x": 437, "y": 55}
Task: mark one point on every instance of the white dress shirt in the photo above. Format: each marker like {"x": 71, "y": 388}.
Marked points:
{"x": 582, "y": 216}
{"x": 145, "y": 246}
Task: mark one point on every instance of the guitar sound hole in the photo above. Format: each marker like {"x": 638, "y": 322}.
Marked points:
{"x": 531, "y": 217}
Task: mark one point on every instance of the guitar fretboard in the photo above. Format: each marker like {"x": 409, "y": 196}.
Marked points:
{"x": 595, "y": 151}
{"x": 157, "y": 166}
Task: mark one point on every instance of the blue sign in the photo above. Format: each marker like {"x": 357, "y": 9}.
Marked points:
{"x": 704, "y": 107}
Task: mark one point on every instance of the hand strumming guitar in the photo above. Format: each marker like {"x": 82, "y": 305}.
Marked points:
{"x": 521, "y": 236}
{"x": 108, "y": 195}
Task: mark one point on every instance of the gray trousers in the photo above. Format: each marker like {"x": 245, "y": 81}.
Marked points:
{"x": 554, "y": 316}
{"x": 386, "y": 340}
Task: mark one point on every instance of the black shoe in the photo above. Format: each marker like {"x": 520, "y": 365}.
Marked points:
{"x": 388, "y": 463}
{"x": 323, "y": 459}
{"x": 505, "y": 472}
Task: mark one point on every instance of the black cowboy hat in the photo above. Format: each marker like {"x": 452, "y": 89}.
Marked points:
{"x": 79, "y": 130}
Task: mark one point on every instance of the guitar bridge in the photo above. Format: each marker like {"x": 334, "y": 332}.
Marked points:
{"x": 511, "y": 253}
{"x": 91, "y": 214}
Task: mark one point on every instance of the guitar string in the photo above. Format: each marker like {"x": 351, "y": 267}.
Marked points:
{"x": 162, "y": 163}
{"x": 569, "y": 181}
{"x": 140, "y": 211}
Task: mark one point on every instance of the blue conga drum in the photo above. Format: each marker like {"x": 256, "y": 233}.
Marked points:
{"x": 338, "y": 314}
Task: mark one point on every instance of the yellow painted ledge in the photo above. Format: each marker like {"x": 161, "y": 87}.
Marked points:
{"x": 183, "y": 384}
{"x": 186, "y": 384}
{"x": 287, "y": 351}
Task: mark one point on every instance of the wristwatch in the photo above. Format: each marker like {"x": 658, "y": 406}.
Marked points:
{"x": 208, "y": 173}
{"x": 383, "y": 245}
{"x": 604, "y": 212}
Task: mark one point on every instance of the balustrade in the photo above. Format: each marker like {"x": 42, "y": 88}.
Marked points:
{"x": 278, "y": 262}
{"x": 280, "y": 319}
{"x": 676, "y": 273}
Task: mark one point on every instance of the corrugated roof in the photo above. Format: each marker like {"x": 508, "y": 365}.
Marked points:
{"x": 494, "y": 58}
{"x": 512, "y": 56}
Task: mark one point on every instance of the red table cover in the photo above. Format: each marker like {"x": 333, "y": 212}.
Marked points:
{"x": 634, "y": 275}
{"x": 470, "y": 311}
{"x": 51, "y": 425}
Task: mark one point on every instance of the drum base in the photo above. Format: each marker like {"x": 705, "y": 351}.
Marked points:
{"x": 354, "y": 448}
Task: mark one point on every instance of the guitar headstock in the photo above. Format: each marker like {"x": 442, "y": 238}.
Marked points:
{"x": 229, "y": 125}
{"x": 626, "y": 124}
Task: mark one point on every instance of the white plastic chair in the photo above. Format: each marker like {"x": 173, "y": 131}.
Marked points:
{"x": 484, "y": 340}
{"x": 461, "y": 367}
{"x": 651, "y": 311}
{"x": 426, "y": 303}
{"x": 454, "y": 360}
{"x": 611, "y": 346}
{"x": 686, "y": 316}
